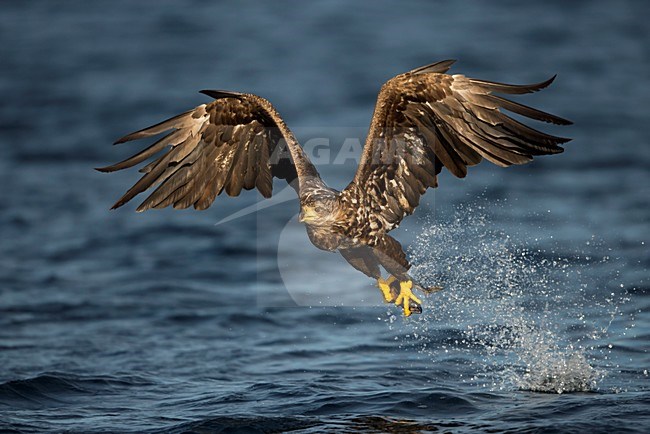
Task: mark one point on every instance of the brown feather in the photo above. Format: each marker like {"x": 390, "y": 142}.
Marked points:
{"x": 493, "y": 86}
{"x": 524, "y": 110}
{"x": 170, "y": 139}
{"x": 161, "y": 127}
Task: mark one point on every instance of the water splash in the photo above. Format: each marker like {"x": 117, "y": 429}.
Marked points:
{"x": 524, "y": 311}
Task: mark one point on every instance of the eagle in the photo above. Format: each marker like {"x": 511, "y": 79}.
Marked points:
{"x": 424, "y": 120}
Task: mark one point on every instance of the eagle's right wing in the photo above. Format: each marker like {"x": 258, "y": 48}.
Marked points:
{"x": 236, "y": 142}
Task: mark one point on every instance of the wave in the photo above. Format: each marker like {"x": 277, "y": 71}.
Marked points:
{"x": 244, "y": 424}
{"x": 50, "y": 389}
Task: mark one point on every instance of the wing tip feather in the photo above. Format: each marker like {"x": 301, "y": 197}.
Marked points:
{"x": 145, "y": 132}
{"x": 122, "y": 140}
{"x": 438, "y": 67}
{"x": 220, "y": 94}
{"x": 535, "y": 87}
{"x": 497, "y": 87}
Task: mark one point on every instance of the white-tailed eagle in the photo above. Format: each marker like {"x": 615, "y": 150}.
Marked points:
{"x": 424, "y": 120}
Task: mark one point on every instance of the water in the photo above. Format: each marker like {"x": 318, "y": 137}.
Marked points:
{"x": 538, "y": 337}
{"x": 166, "y": 322}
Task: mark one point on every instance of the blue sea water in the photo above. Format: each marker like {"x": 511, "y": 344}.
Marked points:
{"x": 169, "y": 322}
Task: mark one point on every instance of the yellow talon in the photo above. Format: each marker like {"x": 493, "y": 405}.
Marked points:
{"x": 405, "y": 296}
{"x": 384, "y": 285}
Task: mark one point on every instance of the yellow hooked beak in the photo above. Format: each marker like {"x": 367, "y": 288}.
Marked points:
{"x": 307, "y": 215}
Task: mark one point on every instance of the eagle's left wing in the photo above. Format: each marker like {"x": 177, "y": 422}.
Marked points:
{"x": 425, "y": 120}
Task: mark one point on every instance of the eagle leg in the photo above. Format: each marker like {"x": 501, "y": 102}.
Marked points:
{"x": 407, "y": 299}
{"x": 386, "y": 288}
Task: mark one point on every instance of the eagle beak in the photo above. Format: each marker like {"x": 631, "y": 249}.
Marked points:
{"x": 307, "y": 215}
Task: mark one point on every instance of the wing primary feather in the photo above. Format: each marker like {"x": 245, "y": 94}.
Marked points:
{"x": 219, "y": 94}
{"x": 502, "y": 138}
{"x": 495, "y": 153}
{"x": 153, "y": 130}
{"x": 169, "y": 139}
{"x": 438, "y": 67}
{"x": 498, "y": 119}
{"x": 166, "y": 189}
{"x": 173, "y": 197}
{"x": 525, "y": 110}
{"x": 531, "y": 134}
{"x": 148, "y": 167}
{"x": 494, "y": 86}
{"x": 143, "y": 183}
{"x": 172, "y": 177}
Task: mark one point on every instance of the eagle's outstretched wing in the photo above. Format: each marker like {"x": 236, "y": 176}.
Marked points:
{"x": 236, "y": 142}
{"x": 425, "y": 120}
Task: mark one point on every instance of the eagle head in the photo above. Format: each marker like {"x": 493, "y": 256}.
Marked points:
{"x": 319, "y": 210}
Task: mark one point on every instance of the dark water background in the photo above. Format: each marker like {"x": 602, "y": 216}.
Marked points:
{"x": 162, "y": 321}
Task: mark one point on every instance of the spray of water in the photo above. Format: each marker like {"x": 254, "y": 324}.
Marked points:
{"x": 521, "y": 314}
